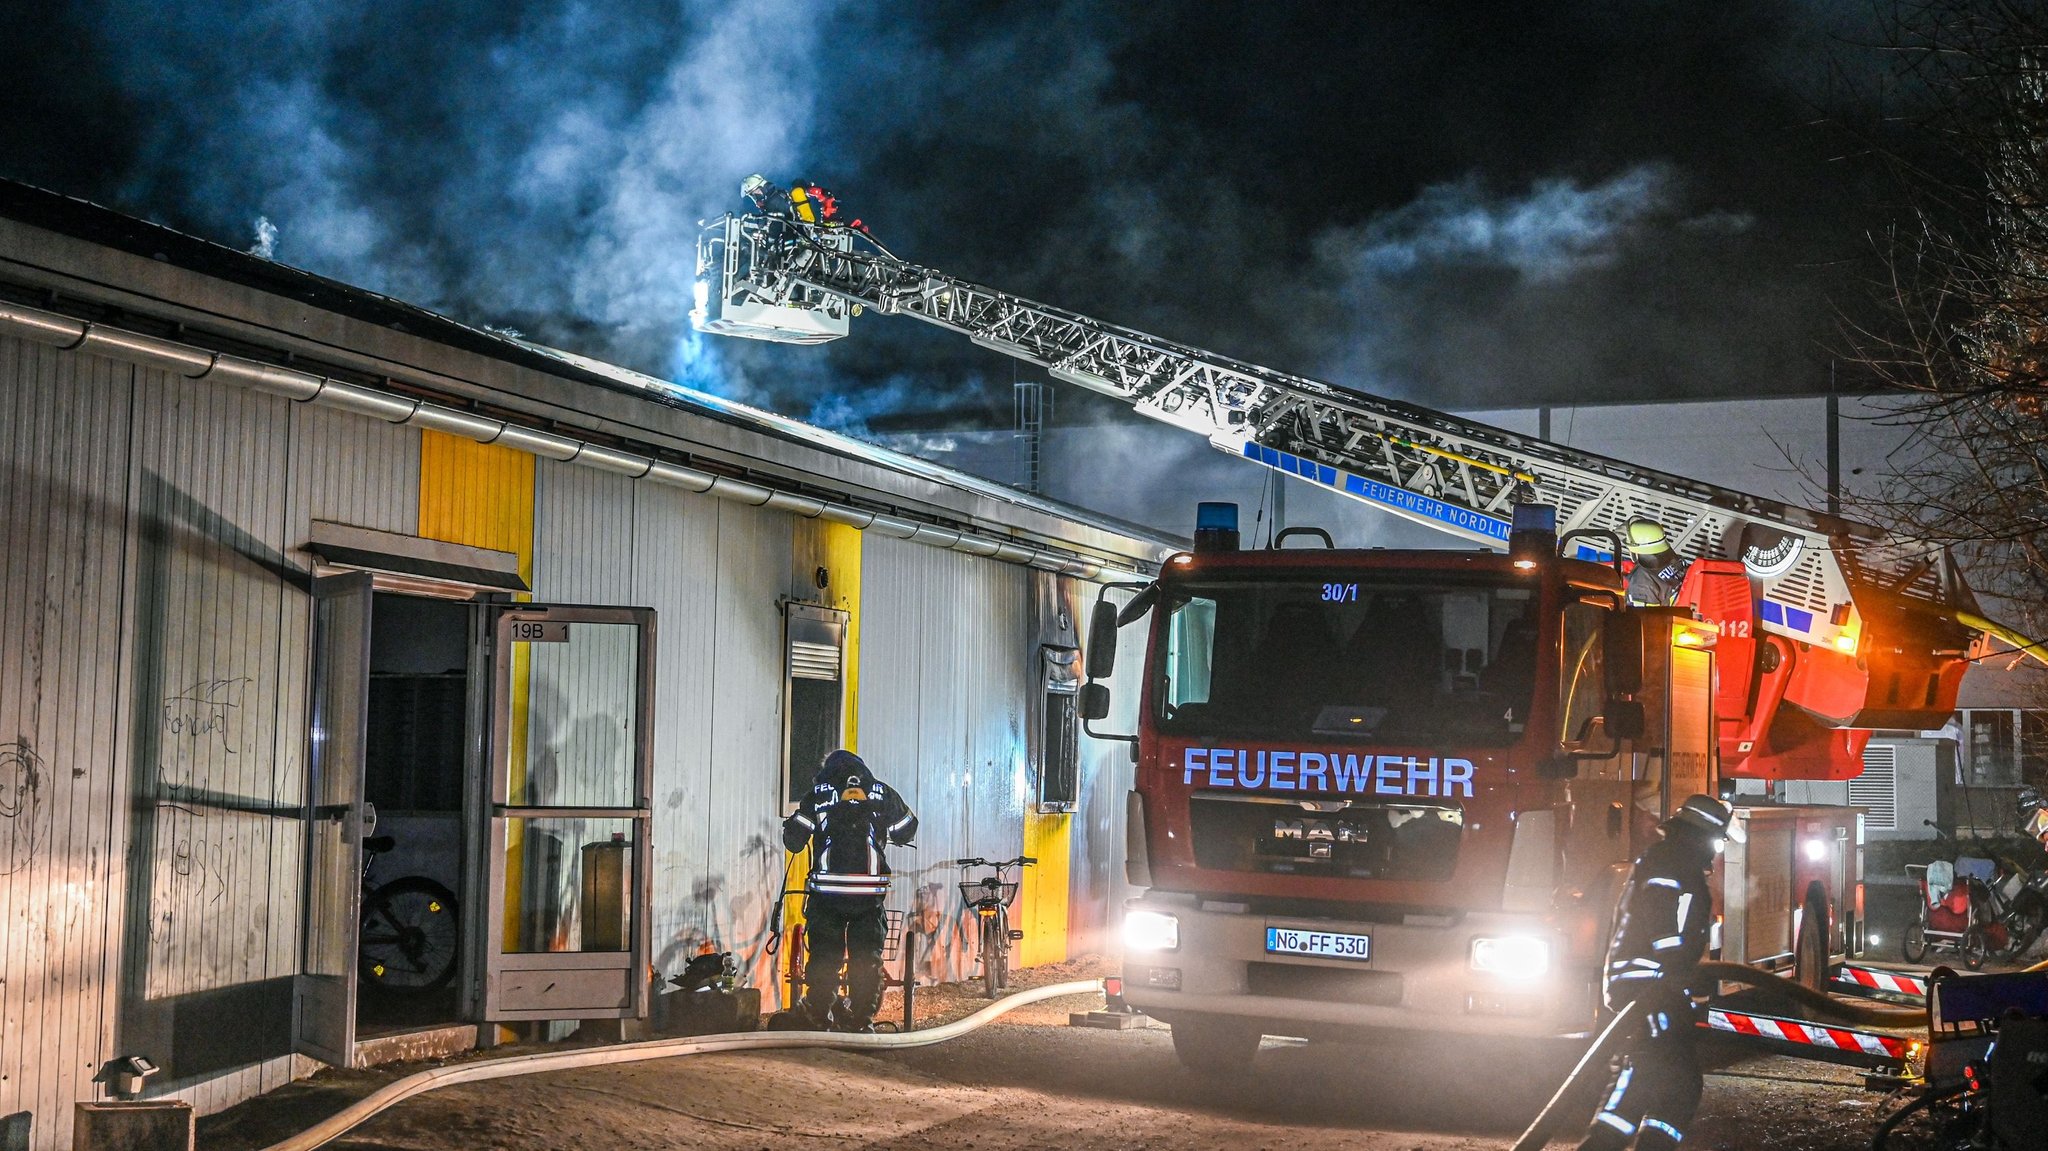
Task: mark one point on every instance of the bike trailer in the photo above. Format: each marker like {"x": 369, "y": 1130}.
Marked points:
{"x": 1964, "y": 1013}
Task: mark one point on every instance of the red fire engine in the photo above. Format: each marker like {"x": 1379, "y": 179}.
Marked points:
{"x": 1398, "y": 789}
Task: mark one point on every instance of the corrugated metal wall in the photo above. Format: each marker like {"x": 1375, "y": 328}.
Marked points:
{"x": 152, "y": 688}
{"x": 154, "y": 629}
{"x": 1098, "y": 888}
{"x": 947, "y": 660}
{"x": 63, "y": 513}
{"x": 712, "y": 571}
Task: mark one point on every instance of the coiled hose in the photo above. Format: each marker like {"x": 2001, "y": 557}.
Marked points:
{"x": 432, "y": 1080}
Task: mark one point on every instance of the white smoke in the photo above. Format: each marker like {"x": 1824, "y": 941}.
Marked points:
{"x": 739, "y": 99}
{"x": 1557, "y": 230}
{"x": 266, "y": 238}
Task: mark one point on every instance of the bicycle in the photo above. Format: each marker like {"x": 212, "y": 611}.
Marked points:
{"x": 410, "y": 932}
{"x": 990, "y": 898}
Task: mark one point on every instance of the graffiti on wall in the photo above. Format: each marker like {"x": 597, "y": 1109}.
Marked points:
{"x": 201, "y": 732}
{"x": 21, "y": 799}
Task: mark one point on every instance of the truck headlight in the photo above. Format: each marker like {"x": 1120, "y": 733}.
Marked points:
{"x": 1150, "y": 931}
{"x": 1518, "y": 957}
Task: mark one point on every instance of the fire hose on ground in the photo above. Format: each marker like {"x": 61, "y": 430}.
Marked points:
{"x": 432, "y": 1080}
{"x": 1620, "y": 1029}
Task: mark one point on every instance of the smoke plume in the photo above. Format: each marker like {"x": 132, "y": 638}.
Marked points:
{"x": 1451, "y": 206}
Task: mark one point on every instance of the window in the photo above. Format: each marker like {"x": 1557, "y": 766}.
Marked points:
{"x": 1991, "y": 753}
{"x": 1059, "y": 743}
{"x": 1400, "y": 659}
{"x": 816, "y": 695}
{"x": 1059, "y": 779}
{"x": 1582, "y": 694}
{"x": 2034, "y": 747}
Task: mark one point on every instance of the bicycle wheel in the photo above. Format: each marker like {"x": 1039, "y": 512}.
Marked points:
{"x": 1976, "y": 949}
{"x": 2029, "y": 916}
{"x": 411, "y": 936}
{"x": 991, "y": 957}
{"x": 1913, "y": 945}
{"x": 1002, "y": 951}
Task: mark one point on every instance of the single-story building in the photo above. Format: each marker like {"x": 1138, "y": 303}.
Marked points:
{"x": 295, "y": 577}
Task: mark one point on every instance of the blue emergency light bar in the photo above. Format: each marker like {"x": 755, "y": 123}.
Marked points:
{"x": 1215, "y": 526}
{"x": 1534, "y": 538}
{"x": 1536, "y": 518}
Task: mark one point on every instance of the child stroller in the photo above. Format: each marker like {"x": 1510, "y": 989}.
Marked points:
{"x": 1955, "y": 916}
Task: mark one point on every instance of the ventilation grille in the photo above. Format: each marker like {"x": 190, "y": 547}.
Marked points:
{"x": 1804, "y": 586}
{"x": 1877, "y": 789}
{"x": 813, "y": 660}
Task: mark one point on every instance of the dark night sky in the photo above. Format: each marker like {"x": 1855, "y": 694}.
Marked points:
{"x": 1459, "y": 204}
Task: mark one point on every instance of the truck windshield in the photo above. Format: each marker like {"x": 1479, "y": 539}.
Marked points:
{"x": 1391, "y": 660}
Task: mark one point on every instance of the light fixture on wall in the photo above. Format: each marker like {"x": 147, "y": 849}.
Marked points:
{"x": 123, "y": 1075}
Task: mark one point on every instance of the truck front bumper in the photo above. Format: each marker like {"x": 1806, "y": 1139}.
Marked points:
{"x": 1420, "y": 975}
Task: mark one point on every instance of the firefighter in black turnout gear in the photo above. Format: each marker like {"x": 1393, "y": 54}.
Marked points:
{"x": 849, "y": 819}
{"x": 1660, "y": 936}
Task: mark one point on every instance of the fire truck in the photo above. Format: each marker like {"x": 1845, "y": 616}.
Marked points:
{"x": 1381, "y": 789}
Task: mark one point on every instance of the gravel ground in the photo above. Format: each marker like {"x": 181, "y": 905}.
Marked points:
{"x": 1031, "y": 1081}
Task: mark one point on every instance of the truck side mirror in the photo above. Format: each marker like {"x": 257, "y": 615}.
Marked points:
{"x": 1092, "y": 701}
{"x": 1101, "y": 657}
{"x": 1625, "y": 719}
{"x": 1621, "y": 643}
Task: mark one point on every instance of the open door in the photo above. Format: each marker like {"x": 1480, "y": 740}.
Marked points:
{"x": 324, "y": 992}
{"x": 570, "y": 761}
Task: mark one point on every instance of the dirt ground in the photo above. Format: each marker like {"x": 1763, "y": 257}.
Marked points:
{"x": 1032, "y": 1081}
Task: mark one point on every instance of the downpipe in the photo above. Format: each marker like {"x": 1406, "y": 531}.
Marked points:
{"x": 436, "y": 1078}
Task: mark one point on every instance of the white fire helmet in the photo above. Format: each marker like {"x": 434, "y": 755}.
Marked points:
{"x": 1710, "y": 815}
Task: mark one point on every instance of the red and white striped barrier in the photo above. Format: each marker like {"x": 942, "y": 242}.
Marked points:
{"x": 1869, "y": 979}
{"x": 1836, "y": 1044}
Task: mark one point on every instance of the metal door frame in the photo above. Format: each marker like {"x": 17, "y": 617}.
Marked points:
{"x": 316, "y": 997}
{"x": 633, "y": 962}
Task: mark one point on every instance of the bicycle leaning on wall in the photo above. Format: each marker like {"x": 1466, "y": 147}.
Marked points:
{"x": 990, "y": 897}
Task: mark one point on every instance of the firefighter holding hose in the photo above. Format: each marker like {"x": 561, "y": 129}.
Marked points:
{"x": 1660, "y": 936}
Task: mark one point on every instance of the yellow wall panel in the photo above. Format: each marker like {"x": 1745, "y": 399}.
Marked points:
{"x": 836, "y": 548}
{"x": 477, "y": 494}
{"x": 1048, "y": 837}
{"x": 481, "y": 495}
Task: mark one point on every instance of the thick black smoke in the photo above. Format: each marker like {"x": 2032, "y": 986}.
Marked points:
{"x": 1458, "y": 204}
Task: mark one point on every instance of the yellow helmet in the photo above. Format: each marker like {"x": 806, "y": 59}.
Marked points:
{"x": 1646, "y": 537}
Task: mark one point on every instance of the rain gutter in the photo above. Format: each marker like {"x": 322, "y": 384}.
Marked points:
{"x": 194, "y": 363}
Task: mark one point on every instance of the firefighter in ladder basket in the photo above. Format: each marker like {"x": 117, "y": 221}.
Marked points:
{"x": 850, "y": 819}
{"x": 1660, "y": 935}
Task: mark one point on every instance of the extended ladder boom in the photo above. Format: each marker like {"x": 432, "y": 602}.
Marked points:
{"x": 768, "y": 277}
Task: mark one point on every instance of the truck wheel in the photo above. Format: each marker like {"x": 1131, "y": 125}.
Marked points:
{"x": 1812, "y": 946}
{"x": 1212, "y": 1046}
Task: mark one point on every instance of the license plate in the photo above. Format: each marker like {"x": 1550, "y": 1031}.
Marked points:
{"x": 1321, "y": 944}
